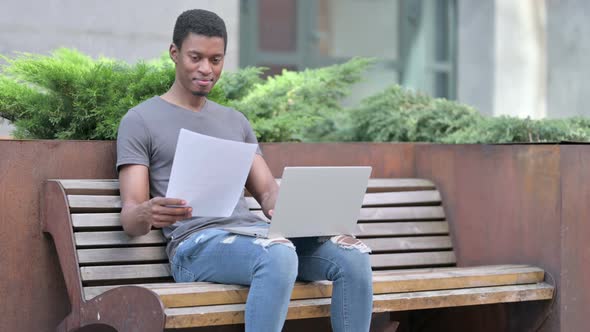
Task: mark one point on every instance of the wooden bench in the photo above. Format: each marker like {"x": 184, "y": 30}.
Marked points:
{"x": 126, "y": 283}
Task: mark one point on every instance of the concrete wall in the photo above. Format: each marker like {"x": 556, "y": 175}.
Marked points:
{"x": 510, "y": 59}
{"x": 5, "y": 128}
{"x": 524, "y": 58}
{"x": 568, "y": 44}
{"x": 129, "y": 30}
{"x": 501, "y": 57}
{"x": 475, "y": 64}
{"x": 521, "y": 66}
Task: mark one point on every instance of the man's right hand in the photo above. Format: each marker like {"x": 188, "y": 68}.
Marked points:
{"x": 162, "y": 212}
{"x": 139, "y": 213}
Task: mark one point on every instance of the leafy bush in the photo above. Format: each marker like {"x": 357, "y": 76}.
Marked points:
{"x": 299, "y": 106}
{"x": 69, "y": 95}
{"x": 400, "y": 115}
{"x": 506, "y": 129}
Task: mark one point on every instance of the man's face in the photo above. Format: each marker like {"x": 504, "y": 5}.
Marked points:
{"x": 199, "y": 62}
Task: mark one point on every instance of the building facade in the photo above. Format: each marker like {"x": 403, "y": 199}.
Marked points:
{"x": 525, "y": 58}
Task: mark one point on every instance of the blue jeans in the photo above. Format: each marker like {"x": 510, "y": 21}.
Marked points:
{"x": 271, "y": 266}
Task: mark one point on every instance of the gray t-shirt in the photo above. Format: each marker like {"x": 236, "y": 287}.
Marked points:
{"x": 148, "y": 134}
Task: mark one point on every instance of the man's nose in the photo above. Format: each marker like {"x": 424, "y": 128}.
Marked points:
{"x": 204, "y": 67}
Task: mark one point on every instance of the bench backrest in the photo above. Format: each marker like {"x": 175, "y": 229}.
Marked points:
{"x": 402, "y": 221}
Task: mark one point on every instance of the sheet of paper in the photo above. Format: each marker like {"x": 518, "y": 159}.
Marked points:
{"x": 209, "y": 173}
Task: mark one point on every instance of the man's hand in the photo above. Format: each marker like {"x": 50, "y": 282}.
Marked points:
{"x": 140, "y": 213}
{"x": 269, "y": 214}
{"x": 162, "y": 212}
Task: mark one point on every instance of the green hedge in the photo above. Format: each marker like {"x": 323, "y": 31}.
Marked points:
{"x": 401, "y": 115}
{"x": 68, "y": 95}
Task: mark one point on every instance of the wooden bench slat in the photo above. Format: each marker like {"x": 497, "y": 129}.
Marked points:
{"x": 120, "y": 238}
{"x": 393, "y": 213}
{"x": 493, "y": 269}
{"x": 90, "y": 187}
{"x": 402, "y": 213}
{"x": 402, "y": 198}
{"x": 463, "y": 297}
{"x": 384, "y": 199}
{"x": 111, "y": 186}
{"x": 204, "y": 293}
{"x": 122, "y": 255}
{"x": 98, "y": 202}
{"x": 388, "y": 184}
{"x": 127, "y": 255}
{"x": 455, "y": 277}
{"x": 409, "y": 243}
{"x": 86, "y": 221}
{"x": 91, "y": 203}
{"x": 85, "y": 203}
{"x": 403, "y": 228}
{"x": 117, "y": 238}
{"x": 390, "y": 228}
{"x": 82, "y": 221}
{"x": 413, "y": 259}
{"x": 124, "y": 272}
{"x": 313, "y": 308}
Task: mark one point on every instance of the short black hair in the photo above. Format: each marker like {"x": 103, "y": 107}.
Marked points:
{"x": 200, "y": 22}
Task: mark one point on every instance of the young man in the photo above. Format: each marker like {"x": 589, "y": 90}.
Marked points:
{"x": 198, "y": 249}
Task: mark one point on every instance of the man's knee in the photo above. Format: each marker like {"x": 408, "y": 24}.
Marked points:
{"x": 351, "y": 243}
{"x": 280, "y": 257}
{"x": 266, "y": 243}
{"x": 354, "y": 261}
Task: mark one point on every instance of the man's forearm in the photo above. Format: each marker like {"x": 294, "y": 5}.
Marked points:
{"x": 133, "y": 221}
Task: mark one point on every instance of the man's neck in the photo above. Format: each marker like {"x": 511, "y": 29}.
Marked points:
{"x": 179, "y": 96}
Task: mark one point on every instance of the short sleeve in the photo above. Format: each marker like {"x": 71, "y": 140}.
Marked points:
{"x": 249, "y": 136}
{"x": 133, "y": 141}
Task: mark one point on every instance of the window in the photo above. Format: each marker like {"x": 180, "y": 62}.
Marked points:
{"x": 413, "y": 40}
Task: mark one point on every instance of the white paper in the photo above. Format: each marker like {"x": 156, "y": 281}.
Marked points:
{"x": 209, "y": 173}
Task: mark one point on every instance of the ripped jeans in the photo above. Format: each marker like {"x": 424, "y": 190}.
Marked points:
{"x": 271, "y": 266}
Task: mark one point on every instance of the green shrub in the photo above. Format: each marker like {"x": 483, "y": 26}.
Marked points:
{"x": 506, "y": 129}
{"x": 400, "y": 115}
{"x": 69, "y": 95}
{"x": 300, "y": 106}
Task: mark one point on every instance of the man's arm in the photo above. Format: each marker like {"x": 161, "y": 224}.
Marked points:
{"x": 262, "y": 185}
{"x": 139, "y": 213}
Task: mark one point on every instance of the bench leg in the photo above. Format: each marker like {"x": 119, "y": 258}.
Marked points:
{"x": 68, "y": 324}
{"x": 389, "y": 327}
{"x": 127, "y": 308}
{"x": 392, "y": 327}
{"x": 384, "y": 322}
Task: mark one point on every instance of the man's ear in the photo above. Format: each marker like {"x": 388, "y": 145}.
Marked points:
{"x": 173, "y": 51}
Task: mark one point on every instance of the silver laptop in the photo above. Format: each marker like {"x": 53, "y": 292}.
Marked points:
{"x": 315, "y": 201}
